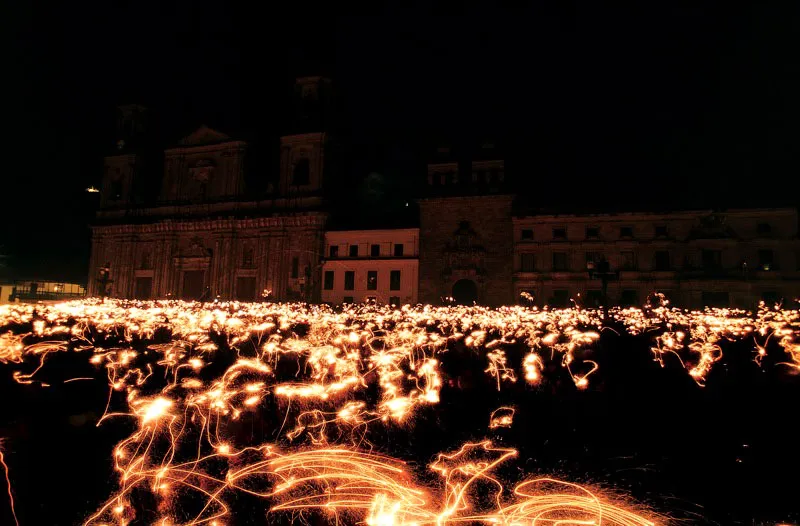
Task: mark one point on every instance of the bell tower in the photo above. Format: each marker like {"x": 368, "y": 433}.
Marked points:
{"x": 303, "y": 152}
{"x": 122, "y": 166}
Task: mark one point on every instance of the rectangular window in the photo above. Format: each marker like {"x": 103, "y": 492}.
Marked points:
{"x": 527, "y": 262}
{"x": 560, "y": 298}
{"x": 770, "y": 297}
{"x": 661, "y": 230}
{"x": 333, "y": 251}
{"x": 347, "y": 299}
{"x": 372, "y": 280}
{"x": 559, "y": 233}
{"x": 247, "y": 257}
{"x": 394, "y": 280}
{"x": 328, "y": 281}
{"x": 394, "y": 300}
{"x": 626, "y": 231}
{"x": 353, "y": 251}
{"x": 662, "y": 260}
{"x": 712, "y": 259}
{"x": 560, "y": 261}
{"x": 765, "y": 259}
{"x": 592, "y": 232}
{"x": 526, "y": 234}
{"x": 764, "y": 228}
{"x": 398, "y": 250}
{"x": 629, "y": 298}
{"x": 594, "y": 257}
{"x": 375, "y": 251}
{"x": 146, "y": 260}
{"x": 144, "y": 287}
{"x": 628, "y": 260}
{"x": 295, "y": 267}
{"x": 245, "y": 289}
{"x": 594, "y": 298}
{"x": 349, "y": 279}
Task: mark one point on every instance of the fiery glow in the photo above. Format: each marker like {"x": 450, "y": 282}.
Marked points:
{"x": 321, "y": 379}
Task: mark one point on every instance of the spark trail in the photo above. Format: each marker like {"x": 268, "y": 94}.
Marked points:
{"x": 325, "y": 382}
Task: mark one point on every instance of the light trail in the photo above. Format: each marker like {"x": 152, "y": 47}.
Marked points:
{"x": 321, "y": 379}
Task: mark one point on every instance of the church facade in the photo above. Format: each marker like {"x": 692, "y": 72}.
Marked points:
{"x": 203, "y": 233}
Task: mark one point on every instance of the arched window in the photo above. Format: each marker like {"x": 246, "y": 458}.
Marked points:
{"x": 301, "y": 172}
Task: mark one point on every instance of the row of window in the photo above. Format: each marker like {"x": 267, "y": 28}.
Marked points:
{"x": 625, "y": 232}
{"x": 711, "y": 260}
{"x": 374, "y": 251}
{"x": 329, "y": 278}
{"x": 393, "y": 300}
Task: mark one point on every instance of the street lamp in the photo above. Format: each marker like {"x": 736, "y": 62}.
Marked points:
{"x": 602, "y": 271}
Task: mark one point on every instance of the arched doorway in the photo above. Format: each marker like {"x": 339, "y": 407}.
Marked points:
{"x": 465, "y": 292}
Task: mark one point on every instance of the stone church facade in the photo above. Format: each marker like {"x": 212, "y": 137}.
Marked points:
{"x": 205, "y": 235}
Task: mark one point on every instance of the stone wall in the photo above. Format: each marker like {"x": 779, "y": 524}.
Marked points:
{"x": 466, "y": 238}
{"x": 165, "y": 251}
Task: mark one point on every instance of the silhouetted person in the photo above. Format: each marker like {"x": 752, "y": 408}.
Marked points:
{"x": 104, "y": 279}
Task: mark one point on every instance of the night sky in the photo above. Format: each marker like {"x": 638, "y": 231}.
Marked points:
{"x": 595, "y": 107}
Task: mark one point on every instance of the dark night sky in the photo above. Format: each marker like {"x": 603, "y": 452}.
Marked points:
{"x": 596, "y": 106}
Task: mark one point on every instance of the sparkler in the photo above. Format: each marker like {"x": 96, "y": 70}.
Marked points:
{"x": 8, "y": 483}
{"x": 329, "y": 376}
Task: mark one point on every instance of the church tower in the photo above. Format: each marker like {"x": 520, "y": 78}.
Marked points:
{"x": 303, "y": 151}
{"x": 122, "y": 166}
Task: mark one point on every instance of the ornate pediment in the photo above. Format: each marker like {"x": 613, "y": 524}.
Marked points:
{"x": 464, "y": 252}
{"x": 196, "y": 249}
{"x": 202, "y": 136}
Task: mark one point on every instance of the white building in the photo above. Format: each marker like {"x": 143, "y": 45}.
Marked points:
{"x": 371, "y": 265}
{"x": 696, "y": 258}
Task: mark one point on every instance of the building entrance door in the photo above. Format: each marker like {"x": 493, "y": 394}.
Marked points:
{"x": 465, "y": 292}
{"x": 192, "y": 284}
{"x": 144, "y": 286}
